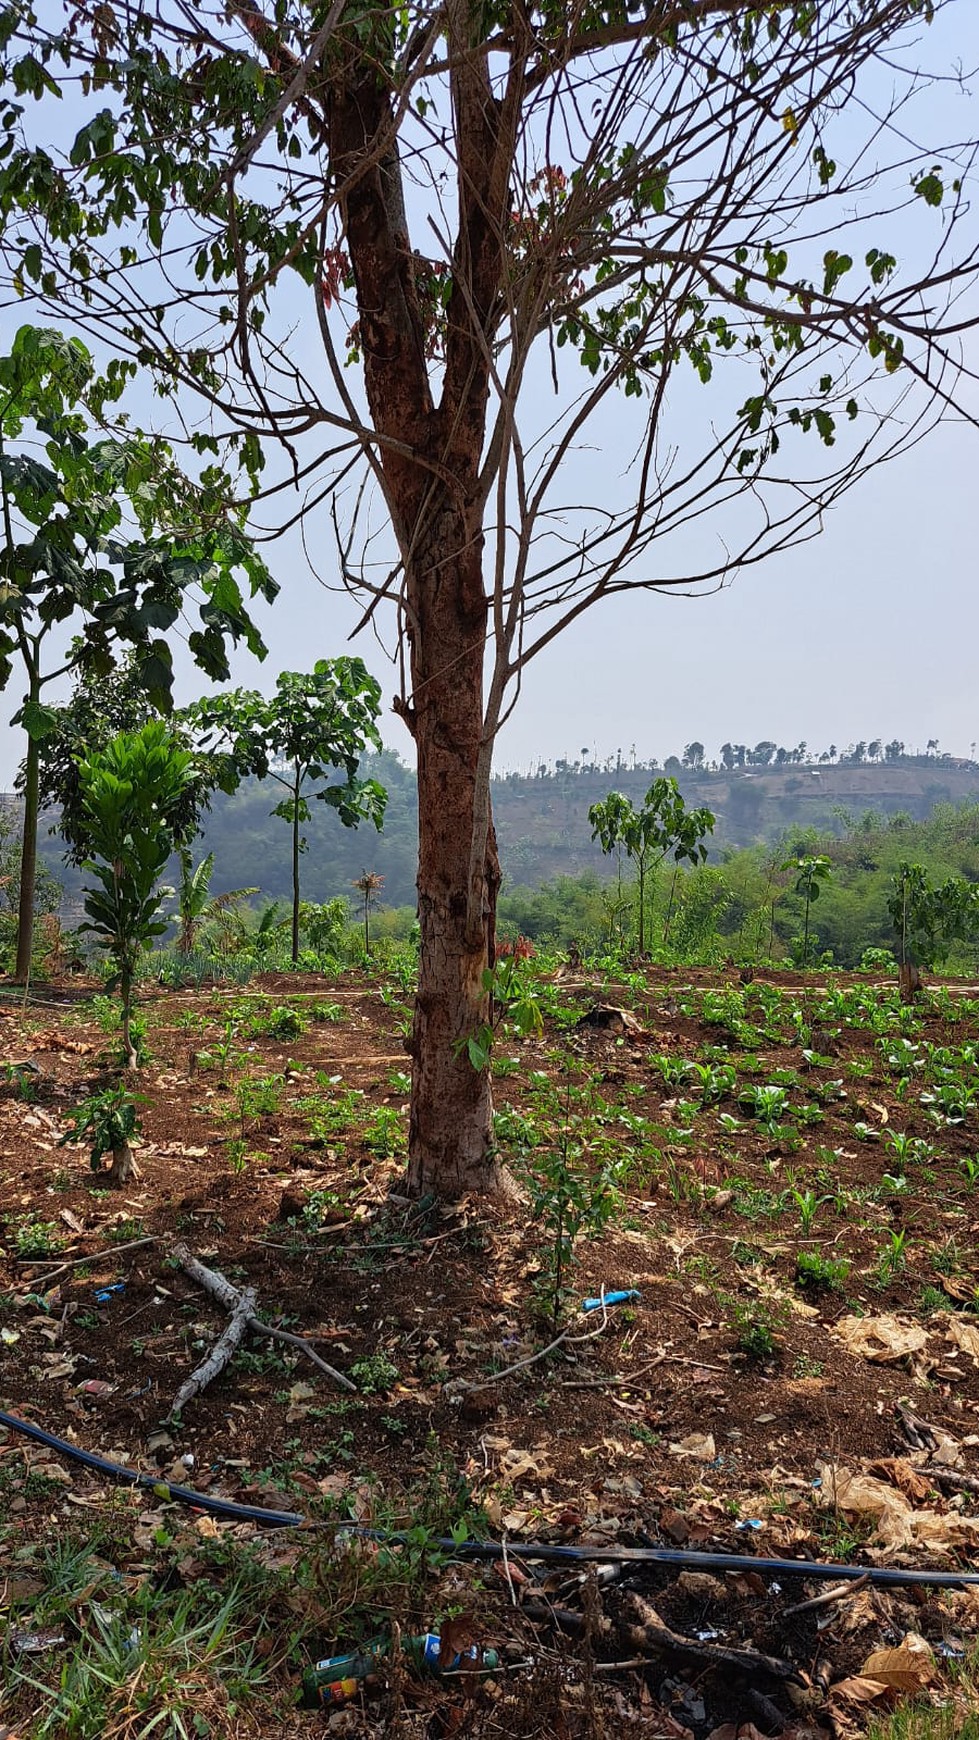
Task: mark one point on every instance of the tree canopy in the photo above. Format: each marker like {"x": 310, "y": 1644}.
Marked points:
{"x": 314, "y": 724}
{"x": 105, "y": 542}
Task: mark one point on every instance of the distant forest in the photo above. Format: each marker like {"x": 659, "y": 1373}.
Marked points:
{"x": 757, "y": 795}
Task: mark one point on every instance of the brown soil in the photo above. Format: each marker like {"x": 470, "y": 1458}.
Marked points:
{"x": 604, "y": 1441}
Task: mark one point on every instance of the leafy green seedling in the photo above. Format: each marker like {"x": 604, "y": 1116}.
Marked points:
{"x": 107, "y": 1121}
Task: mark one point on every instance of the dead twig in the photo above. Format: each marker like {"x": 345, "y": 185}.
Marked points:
{"x": 221, "y": 1289}
{"x": 532, "y": 1358}
{"x": 259, "y": 1328}
{"x": 827, "y": 1598}
{"x": 629, "y": 1379}
{"x": 507, "y": 1573}
{"x": 77, "y": 1262}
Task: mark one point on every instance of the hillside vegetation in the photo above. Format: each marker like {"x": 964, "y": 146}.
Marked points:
{"x": 542, "y": 819}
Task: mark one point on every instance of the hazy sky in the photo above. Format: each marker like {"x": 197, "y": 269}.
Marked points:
{"x": 870, "y": 631}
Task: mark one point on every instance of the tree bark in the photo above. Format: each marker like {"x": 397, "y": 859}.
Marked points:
{"x": 295, "y": 873}
{"x": 123, "y": 1165}
{"x": 429, "y": 459}
{"x": 28, "y": 865}
{"x": 450, "y": 1138}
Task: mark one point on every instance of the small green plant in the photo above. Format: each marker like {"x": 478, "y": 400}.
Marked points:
{"x": 385, "y": 1135}
{"x": 37, "y": 1238}
{"x": 712, "y": 1080}
{"x": 569, "y": 1200}
{"x": 23, "y": 1079}
{"x": 375, "y": 1375}
{"x": 768, "y": 1103}
{"x": 134, "y": 801}
{"x": 932, "y": 1300}
{"x": 808, "y": 1204}
{"x": 893, "y": 1258}
{"x": 756, "y": 1324}
{"x": 804, "y": 1366}
{"x": 259, "y": 1096}
{"x": 236, "y": 1149}
{"x": 819, "y": 1273}
{"x": 282, "y": 1022}
{"x": 107, "y": 1120}
{"x": 811, "y": 872}
{"x": 875, "y": 960}
{"x": 907, "y": 1149}
{"x": 510, "y": 1000}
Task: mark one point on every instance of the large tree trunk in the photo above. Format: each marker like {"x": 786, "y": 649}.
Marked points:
{"x": 451, "y": 1131}
{"x": 430, "y": 456}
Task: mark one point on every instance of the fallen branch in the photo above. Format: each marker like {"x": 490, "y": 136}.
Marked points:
{"x": 242, "y": 1307}
{"x": 921, "y": 1434}
{"x": 651, "y": 1634}
{"x": 950, "y": 1477}
{"x": 221, "y": 1354}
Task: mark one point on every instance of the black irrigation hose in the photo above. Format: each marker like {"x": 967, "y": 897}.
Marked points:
{"x": 882, "y": 1576}
{"x": 270, "y": 1519}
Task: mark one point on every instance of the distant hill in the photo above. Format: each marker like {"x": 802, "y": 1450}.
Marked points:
{"x": 542, "y": 819}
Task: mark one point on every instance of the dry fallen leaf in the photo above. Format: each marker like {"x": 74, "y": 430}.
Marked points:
{"x": 899, "y": 1524}
{"x": 699, "y": 1445}
{"x": 901, "y": 1474}
{"x": 907, "y": 1669}
{"x": 881, "y": 1339}
{"x": 857, "y": 1690}
{"x": 965, "y": 1336}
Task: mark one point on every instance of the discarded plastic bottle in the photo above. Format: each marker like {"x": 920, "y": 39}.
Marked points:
{"x": 337, "y": 1679}
{"x": 424, "y": 1652}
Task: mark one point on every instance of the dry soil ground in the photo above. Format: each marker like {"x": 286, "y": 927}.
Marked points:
{"x": 798, "y": 1164}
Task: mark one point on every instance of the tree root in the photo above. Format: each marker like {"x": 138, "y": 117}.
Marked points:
{"x": 242, "y": 1307}
{"x": 649, "y": 1634}
{"x": 123, "y": 1165}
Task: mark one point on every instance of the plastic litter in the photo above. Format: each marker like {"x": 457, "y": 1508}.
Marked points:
{"x": 338, "y": 1678}
{"x": 104, "y": 1294}
{"x": 619, "y": 1298}
{"x": 25, "y": 1642}
{"x": 749, "y": 1523}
